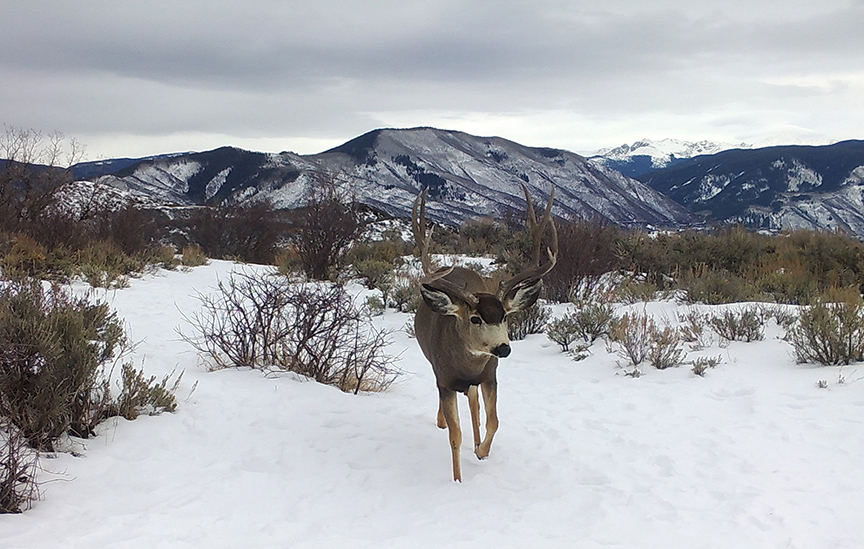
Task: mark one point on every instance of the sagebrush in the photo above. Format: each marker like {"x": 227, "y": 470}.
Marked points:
{"x": 57, "y": 352}
{"x": 831, "y": 330}
{"x": 313, "y": 329}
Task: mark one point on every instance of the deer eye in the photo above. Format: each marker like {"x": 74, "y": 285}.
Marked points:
{"x": 476, "y": 320}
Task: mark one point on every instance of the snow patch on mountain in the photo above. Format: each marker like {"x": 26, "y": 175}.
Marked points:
{"x": 710, "y": 186}
{"x": 856, "y": 177}
{"x": 662, "y": 152}
{"x": 216, "y": 183}
{"x": 801, "y": 177}
{"x": 840, "y": 210}
{"x": 169, "y": 177}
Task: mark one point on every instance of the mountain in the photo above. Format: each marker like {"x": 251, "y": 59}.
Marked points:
{"x": 785, "y": 187}
{"x": 468, "y": 177}
{"x": 646, "y": 155}
{"x": 98, "y": 168}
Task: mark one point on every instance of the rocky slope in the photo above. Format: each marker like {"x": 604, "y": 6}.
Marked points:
{"x": 467, "y": 176}
{"x": 786, "y": 187}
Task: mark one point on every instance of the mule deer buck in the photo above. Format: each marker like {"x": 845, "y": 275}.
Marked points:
{"x": 461, "y": 326}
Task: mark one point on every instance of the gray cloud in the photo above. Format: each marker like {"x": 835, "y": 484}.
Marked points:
{"x": 575, "y": 72}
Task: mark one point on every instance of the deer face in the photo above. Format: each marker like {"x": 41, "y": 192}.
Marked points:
{"x": 481, "y": 318}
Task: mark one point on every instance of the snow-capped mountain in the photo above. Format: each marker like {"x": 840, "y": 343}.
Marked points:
{"x": 467, "y": 176}
{"x": 788, "y": 187}
{"x": 646, "y": 155}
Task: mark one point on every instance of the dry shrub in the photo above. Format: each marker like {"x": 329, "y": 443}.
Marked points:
{"x": 104, "y": 265}
{"x": 630, "y": 337}
{"x": 165, "y": 256}
{"x": 527, "y": 321}
{"x": 585, "y": 250}
{"x": 327, "y": 226}
{"x": 703, "y": 363}
{"x": 741, "y": 324}
{"x": 404, "y": 295}
{"x": 694, "y": 330}
{"x": 374, "y": 306}
{"x": 592, "y": 320}
{"x": 53, "y": 347}
{"x": 636, "y": 291}
{"x": 665, "y": 350}
{"x": 288, "y": 262}
{"x": 140, "y": 394}
{"x": 58, "y": 248}
{"x": 18, "y": 487}
{"x": 702, "y": 284}
{"x": 564, "y": 331}
{"x": 25, "y": 258}
{"x": 248, "y": 233}
{"x": 636, "y": 338}
{"x": 789, "y": 281}
{"x": 267, "y": 322}
{"x": 134, "y": 231}
{"x": 831, "y": 330}
{"x": 733, "y": 264}
{"x": 56, "y": 353}
{"x": 193, "y": 256}
{"x": 390, "y": 250}
{"x": 377, "y": 275}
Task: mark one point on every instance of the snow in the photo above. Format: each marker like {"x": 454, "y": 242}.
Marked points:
{"x": 183, "y": 170}
{"x": 170, "y": 175}
{"x": 752, "y": 455}
{"x": 216, "y": 183}
{"x": 662, "y": 151}
{"x": 710, "y": 186}
{"x": 799, "y": 175}
{"x": 856, "y": 177}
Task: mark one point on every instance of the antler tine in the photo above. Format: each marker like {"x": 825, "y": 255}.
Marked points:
{"x": 529, "y": 206}
{"x": 537, "y": 230}
{"x": 421, "y": 237}
{"x": 423, "y": 241}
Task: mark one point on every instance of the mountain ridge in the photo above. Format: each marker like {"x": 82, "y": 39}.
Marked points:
{"x": 468, "y": 177}
{"x": 775, "y": 188}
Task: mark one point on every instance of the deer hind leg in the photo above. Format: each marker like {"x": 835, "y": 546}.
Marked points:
{"x": 451, "y": 415}
{"x": 474, "y": 406}
{"x": 490, "y": 402}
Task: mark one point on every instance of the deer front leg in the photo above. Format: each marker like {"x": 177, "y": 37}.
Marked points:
{"x": 490, "y": 402}
{"x": 474, "y": 406}
{"x": 451, "y": 416}
{"x": 441, "y": 421}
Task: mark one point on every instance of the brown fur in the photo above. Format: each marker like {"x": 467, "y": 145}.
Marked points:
{"x": 447, "y": 341}
{"x": 461, "y": 326}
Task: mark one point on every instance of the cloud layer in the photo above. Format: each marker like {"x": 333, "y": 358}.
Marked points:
{"x": 141, "y": 78}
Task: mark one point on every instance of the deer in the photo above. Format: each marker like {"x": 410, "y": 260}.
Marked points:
{"x": 461, "y": 325}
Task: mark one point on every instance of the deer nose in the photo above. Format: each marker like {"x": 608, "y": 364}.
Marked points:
{"x": 501, "y": 351}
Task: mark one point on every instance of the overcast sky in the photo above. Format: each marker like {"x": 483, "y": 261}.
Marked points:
{"x": 133, "y": 78}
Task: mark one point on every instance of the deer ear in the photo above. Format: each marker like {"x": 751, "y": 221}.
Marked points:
{"x": 523, "y": 295}
{"x": 439, "y": 301}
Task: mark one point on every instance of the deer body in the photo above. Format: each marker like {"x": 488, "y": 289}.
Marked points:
{"x": 461, "y": 326}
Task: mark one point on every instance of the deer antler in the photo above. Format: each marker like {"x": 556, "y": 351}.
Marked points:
{"x": 537, "y": 229}
{"x": 423, "y": 241}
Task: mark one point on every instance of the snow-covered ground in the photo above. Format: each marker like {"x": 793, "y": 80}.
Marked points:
{"x": 753, "y": 455}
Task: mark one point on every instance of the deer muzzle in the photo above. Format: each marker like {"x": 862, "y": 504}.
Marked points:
{"x": 501, "y": 351}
